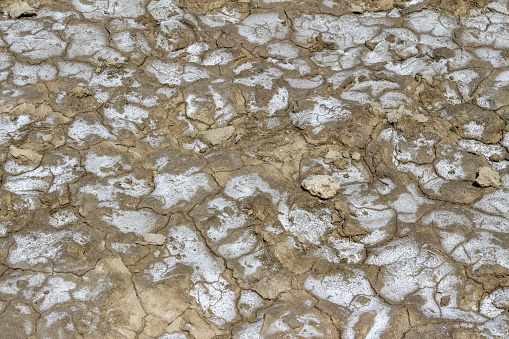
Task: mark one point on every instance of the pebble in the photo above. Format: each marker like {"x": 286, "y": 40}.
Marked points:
{"x": 488, "y": 177}
{"x": 323, "y": 186}
{"x": 20, "y": 9}
{"x": 154, "y": 238}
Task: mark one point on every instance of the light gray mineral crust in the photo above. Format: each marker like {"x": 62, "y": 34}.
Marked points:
{"x": 323, "y": 186}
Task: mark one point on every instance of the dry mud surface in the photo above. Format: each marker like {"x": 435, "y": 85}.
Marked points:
{"x": 254, "y": 169}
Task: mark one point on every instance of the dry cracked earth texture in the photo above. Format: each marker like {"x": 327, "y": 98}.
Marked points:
{"x": 254, "y": 169}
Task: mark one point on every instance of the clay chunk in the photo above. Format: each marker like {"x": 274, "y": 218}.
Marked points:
{"x": 154, "y": 239}
{"x": 25, "y": 154}
{"x": 20, "y": 9}
{"x": 323, "y": 186}
{"x": 218, "y": 135}
{"x": 488, "y": 177}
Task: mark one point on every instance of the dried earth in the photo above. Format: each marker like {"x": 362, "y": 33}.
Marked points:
{"x": 254, "y": 169}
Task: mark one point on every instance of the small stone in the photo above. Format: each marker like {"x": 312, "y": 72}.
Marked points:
{"x": 323, "y": 186}
{"x": 356, "y": 156}
{"x": 20, "y": 10}
{"x": 154, "y": 239}
{"x": 217, "y": 136}
{"x": 487, "y": 177}
{"x": 496, "y": 158}
{"x": 157, "y": 254}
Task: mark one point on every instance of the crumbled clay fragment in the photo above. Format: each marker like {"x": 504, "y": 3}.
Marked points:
{"x": 335, "y": 217}
{"x": 420, "y": 118}
{"x": 496, "y": 157}
{"x": 333, "y": 155}
{"x": 154, "y": 239}
{"x": 58, "y": 141}
{"x": 356, "y": 8}
{"x": 217, "y": 136}
{"x": 488, "y": 177}
{"x": 323, "y": 186}
{"x": 394, "y": 116}
{"x": 25, "y": 154}
{"x": 20, "y": 10}
{"x": 342, "y": 208}
{"x": 80, "y": 92}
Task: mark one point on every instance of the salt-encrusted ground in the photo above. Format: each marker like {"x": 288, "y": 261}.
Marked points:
{"x": 152, "y": 155}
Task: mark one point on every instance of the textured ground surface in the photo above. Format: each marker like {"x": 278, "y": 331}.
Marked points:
{"x": 152, "y": 156}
